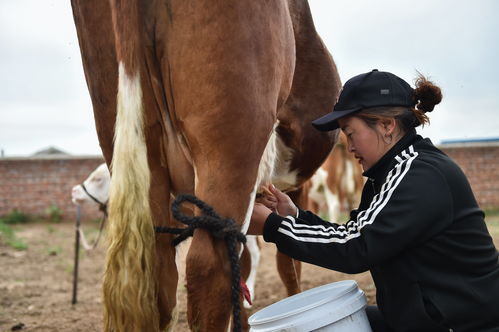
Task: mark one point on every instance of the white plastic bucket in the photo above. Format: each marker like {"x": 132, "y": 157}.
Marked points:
{"x": 338, "y": 307}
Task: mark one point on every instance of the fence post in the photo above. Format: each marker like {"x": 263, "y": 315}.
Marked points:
{"x": 77, "y": 255}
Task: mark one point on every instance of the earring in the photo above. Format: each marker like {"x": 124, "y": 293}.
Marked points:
{"x": 388, "y": 139}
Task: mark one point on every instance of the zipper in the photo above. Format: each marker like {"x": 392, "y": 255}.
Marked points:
{"x": 372, "y": 184}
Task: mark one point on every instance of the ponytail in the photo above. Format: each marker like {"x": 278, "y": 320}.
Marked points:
{"x": 425, "y": 97}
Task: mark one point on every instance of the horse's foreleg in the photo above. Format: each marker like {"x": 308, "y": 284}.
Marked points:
{"x": 209, "y": 273}
{"x": 227, "y": 183}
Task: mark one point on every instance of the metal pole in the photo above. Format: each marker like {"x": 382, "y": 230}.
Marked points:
{"x": 77, "y": 255}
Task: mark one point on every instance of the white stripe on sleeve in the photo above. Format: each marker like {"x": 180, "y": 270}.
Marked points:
{"x": 350, "y": 230}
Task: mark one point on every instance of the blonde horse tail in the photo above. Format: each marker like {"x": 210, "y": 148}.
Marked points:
{"x": 130, "y": 287}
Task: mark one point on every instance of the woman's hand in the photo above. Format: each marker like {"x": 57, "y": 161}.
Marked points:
{"x": 285, "y": 206}
{"x": 268, "y": 199}
{"x": 276, "y": 201}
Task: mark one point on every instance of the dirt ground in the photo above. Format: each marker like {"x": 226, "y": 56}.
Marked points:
{"x": 36, "y": 283}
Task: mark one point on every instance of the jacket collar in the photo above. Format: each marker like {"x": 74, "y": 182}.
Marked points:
{"x": 380, "y": 168}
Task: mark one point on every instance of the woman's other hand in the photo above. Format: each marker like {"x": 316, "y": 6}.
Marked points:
{"x": 268, "y": 199}
{"x": 285, "y": 206}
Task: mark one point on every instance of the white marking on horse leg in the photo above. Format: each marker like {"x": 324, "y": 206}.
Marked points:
{"x": 254, "y": 250}
{"x": 264, "y": 177}
{"x": 249, "y": 212}
{"x": 283, "y": 178}
{"x": 268, "y": 162}
{"x": 173, "y": 322}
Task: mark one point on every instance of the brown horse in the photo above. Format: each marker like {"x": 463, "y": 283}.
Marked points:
{"x": 214, "y": 98}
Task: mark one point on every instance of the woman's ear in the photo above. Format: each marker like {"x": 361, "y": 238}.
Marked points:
{"x": 388, "y": 125}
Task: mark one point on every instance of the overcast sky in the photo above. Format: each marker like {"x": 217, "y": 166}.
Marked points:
{"x": 44, "y": 100}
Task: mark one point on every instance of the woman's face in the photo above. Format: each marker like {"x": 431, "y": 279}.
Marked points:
{"x": 363, "y": 141}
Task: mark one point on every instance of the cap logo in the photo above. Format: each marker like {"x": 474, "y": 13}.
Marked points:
{"x": 384, "y": 91}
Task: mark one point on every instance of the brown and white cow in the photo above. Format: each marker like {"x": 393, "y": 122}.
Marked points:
{"x": 213, "y": 98}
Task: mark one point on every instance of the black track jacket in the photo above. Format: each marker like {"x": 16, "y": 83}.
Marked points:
{"x": 419, "y": 231}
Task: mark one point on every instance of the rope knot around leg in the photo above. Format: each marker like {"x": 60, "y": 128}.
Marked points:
{"x": 220, "y": 228}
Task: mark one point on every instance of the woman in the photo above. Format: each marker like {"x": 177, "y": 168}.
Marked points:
{"x": 418, "y": 228}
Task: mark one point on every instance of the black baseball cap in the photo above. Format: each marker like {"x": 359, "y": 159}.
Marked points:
{"x": 373, "y": 89}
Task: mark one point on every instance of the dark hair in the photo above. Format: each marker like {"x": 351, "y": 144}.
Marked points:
{"x": 425, "y": 97}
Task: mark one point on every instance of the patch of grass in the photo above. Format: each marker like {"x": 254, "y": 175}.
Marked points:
{"x": 54, "y": 213}
{"x": 8, "y": 236}
{"x": 18, "y": 244}
{"x": 51, "y": 229}
{"x": 15, "y": 217}
{"x": 5, "y": 230}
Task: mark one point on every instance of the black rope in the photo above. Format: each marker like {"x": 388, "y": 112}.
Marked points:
{"x": 102, "y": 206}
{"x": 220, "y": 228}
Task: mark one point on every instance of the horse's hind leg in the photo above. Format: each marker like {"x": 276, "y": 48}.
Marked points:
{"x": 290, "y": 269}
{"x": 290, "y": 272}
{"x": 166, "y": 269}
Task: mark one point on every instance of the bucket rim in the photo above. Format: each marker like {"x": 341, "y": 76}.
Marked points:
{"x": 346, "y": 286}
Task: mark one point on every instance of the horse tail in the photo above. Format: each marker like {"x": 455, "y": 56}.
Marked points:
{"x": 130, "y": 287}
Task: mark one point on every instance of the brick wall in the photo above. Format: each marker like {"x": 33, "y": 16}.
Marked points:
{"x": 480, "y": 163}
{"x": 31, "y": 185}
